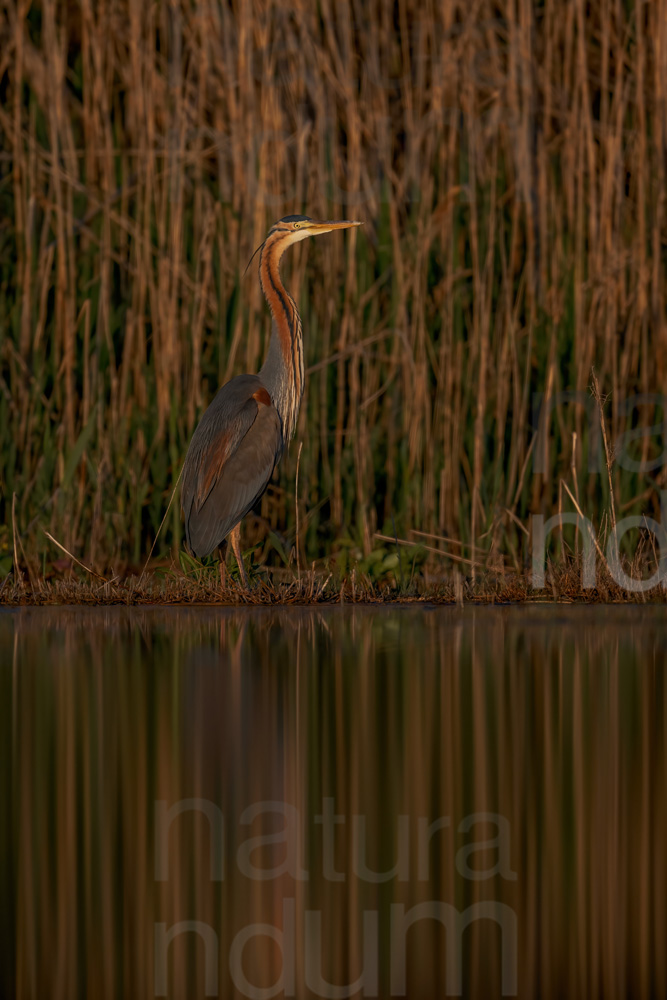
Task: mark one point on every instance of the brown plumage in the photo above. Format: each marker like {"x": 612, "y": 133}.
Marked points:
{"x": 242, "y": 434}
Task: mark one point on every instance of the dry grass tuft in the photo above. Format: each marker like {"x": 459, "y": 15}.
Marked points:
{"x": 563, "y": 585}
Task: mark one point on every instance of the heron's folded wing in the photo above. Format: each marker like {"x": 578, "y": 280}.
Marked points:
{"x": 247, "y": 472}
{"x": 230, "y": 460}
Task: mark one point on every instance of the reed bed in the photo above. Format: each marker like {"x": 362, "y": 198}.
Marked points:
{"x": 508, "y": 161}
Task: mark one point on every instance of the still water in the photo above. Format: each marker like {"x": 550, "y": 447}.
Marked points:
{"x": 334, "y": 802}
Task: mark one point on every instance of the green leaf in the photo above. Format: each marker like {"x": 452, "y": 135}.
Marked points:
{"x": 187, "y": 562}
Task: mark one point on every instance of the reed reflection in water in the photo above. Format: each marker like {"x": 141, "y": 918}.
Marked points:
{"x": 255, "y": 802}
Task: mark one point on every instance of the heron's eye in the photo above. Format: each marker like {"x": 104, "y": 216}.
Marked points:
{"x": 297, "y": 225}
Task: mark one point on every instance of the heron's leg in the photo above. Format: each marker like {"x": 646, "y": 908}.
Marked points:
{"x": 222, "y": 555}
{"x": 235, "y": 539}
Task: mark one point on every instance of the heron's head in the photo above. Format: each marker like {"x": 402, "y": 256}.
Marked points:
{"x": 299, "y": 227}
{"x": 294, "y": 228}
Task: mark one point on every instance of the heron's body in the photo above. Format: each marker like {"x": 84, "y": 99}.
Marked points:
{"x": 241, "y": 437}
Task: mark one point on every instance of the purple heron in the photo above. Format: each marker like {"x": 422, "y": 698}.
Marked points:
{"x": 241, "y": 436}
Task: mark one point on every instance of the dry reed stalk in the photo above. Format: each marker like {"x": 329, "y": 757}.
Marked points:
{"x": 296, "y": 514}
{"x": 447, "y": 541}
{"x": 17, "y": 568}
{"x": 432, "y": 549}
{"x": 575, "y": 483}
{"x": 74, "y": 559}
{"x": 592, "y": 533}
{"x": 164, "y": 518}
{"x": 607, "y": 455}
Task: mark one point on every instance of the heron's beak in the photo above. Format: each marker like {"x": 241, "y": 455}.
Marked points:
{"x": 327, "y": 227}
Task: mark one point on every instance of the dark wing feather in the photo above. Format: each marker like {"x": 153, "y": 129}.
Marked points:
{"x": 231, "y": 457}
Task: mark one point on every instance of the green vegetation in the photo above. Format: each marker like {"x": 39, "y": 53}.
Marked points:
{"x": 509, "y": 165}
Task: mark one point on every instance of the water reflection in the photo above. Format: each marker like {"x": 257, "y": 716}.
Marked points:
{"x": 267, "y": 802}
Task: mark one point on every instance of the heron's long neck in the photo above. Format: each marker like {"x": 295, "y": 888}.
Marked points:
{"x": 282, "y": 372}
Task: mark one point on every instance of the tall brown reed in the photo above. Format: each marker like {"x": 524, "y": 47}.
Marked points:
{"x": 509, "y": 163}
